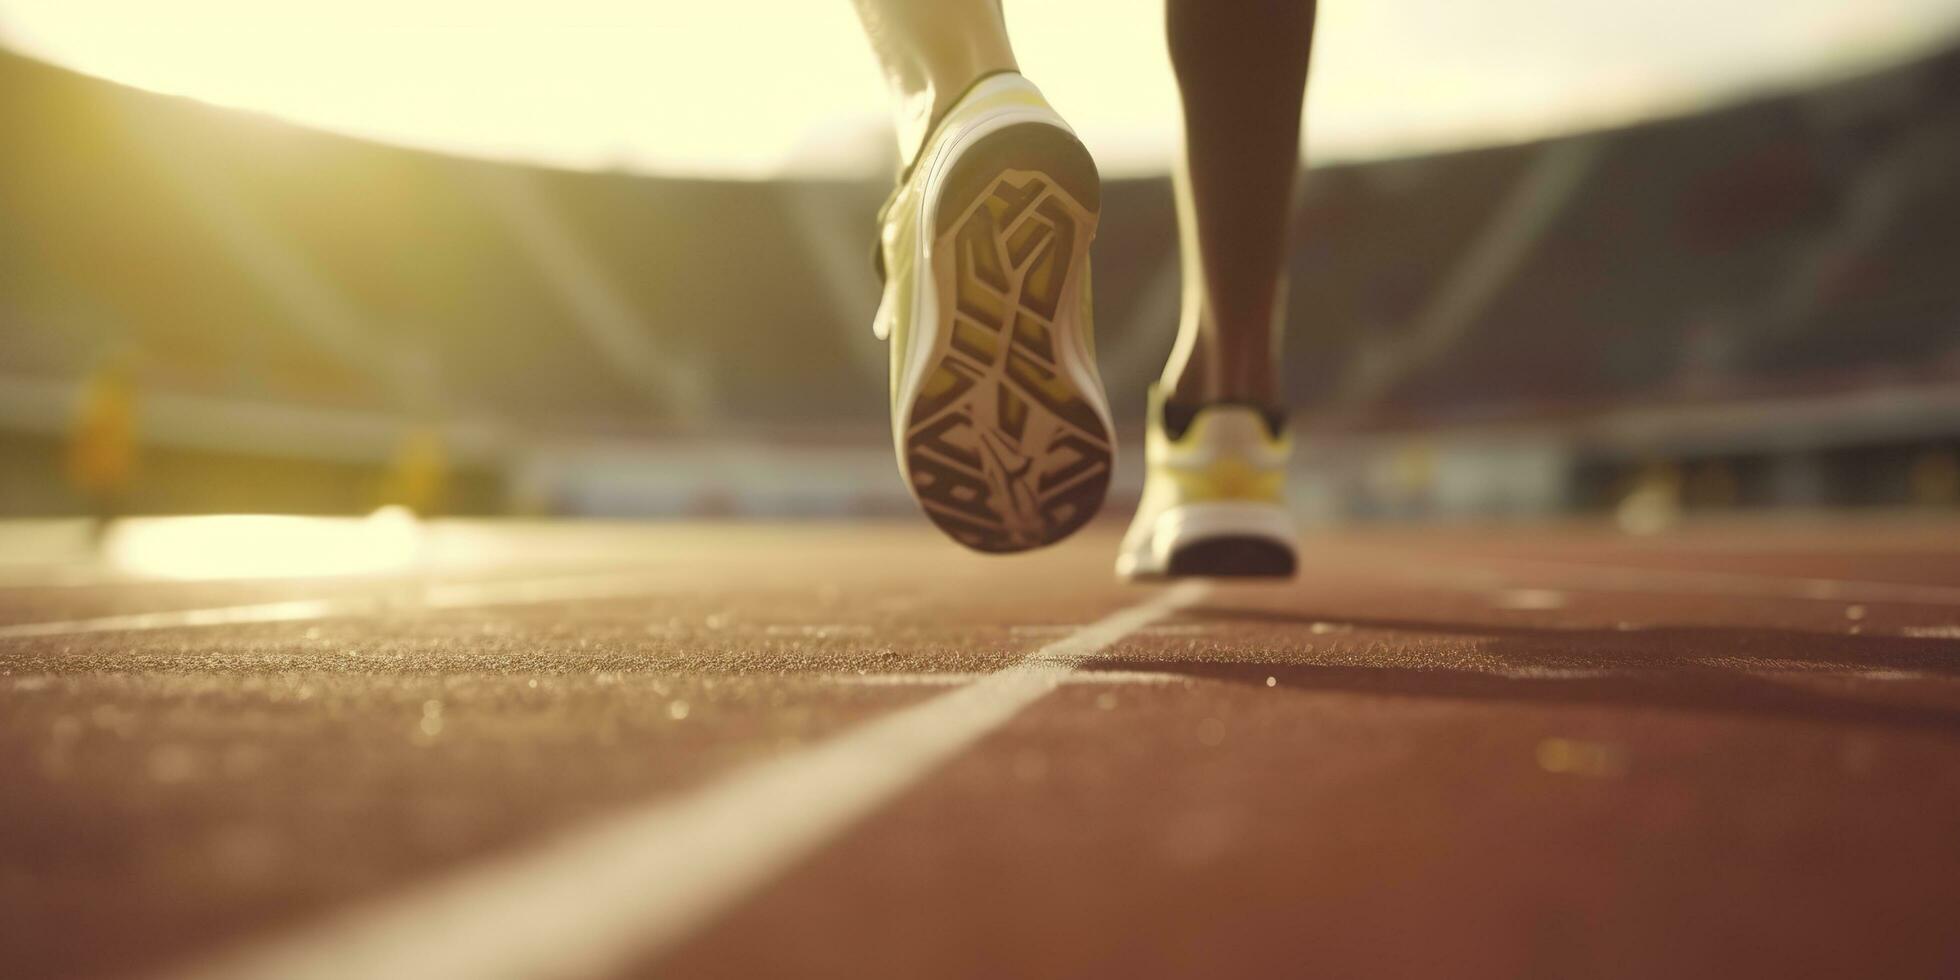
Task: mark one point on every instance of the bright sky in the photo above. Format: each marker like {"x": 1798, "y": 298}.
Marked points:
{"x": 763, "y": 87}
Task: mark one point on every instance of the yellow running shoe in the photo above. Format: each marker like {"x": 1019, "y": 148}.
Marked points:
{"x": 998, "y": 414}
{"x": 1214, "y": 499}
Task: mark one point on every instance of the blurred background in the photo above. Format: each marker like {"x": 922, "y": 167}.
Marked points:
{"x": 611, "y": 259}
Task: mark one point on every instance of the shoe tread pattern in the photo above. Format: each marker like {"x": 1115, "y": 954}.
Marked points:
{"x": 1004, "y": 453}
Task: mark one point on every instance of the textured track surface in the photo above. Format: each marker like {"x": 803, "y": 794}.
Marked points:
{"x": 1005, "y": 451}
{"x": 1721, "y": 752}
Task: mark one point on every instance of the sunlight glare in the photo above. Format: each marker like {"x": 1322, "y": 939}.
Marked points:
{"x": 249, "y": 546}
{"x": 759, "y": 88}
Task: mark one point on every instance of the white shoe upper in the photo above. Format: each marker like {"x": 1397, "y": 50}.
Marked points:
{"x": 1224, "y": 477}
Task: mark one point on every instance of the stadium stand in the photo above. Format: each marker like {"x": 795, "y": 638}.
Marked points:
{"x": 1791, "y": 247}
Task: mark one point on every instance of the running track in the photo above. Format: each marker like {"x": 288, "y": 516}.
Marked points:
{"x": 753, "y": 751}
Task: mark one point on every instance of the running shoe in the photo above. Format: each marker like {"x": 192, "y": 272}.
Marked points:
{"x": 999, "y": 419}
{"x": 1214, "y": 499}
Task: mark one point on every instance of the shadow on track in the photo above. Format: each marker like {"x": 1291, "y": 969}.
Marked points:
{"x": 1663, "y": 667}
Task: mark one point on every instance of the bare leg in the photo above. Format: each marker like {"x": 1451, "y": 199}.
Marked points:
{"x": 1242, "y": 70}
{"x": 931, "y": 52}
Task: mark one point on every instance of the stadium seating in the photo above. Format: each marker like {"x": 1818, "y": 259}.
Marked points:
{"x": 1795, "y": 243}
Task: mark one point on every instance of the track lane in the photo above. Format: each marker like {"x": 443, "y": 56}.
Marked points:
{"x": 186, "y": 787}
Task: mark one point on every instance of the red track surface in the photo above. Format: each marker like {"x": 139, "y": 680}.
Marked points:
{"x": 1722, "y": 752}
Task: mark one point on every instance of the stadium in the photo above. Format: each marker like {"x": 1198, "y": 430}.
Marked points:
{"x": 417, "y": 561}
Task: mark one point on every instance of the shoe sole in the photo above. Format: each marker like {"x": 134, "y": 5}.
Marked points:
{"x": 1213, "y": 540}
{"x": 1231, "y": 557}
{"x": 1004, "y": 448}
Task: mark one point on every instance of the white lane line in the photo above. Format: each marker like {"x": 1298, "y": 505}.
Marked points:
{"x": 957, "y": 678}
{"x": 594, "y": 899}
{"x": 1932, "y": 632}
{"x": 268, "y": 612}
{"x": 448, "y": 596}
{"x": 1895, "y": 675}
{"x": 1161, "y": 629}
{"x": 1578, "y": 575}
{"x": 1842, "y": 682}
{"x": 1559, "y": 673}
{"x": 1573, "y": 576}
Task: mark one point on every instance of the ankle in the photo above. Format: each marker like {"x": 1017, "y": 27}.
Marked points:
{"x": 939, "y": 88}
{"x": 1186, "y": 388}
{"x": 1192, "y": 387}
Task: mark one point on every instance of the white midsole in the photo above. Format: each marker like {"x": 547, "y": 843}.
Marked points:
{"x": 1072, "y": 349}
